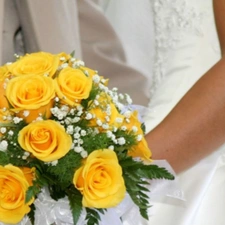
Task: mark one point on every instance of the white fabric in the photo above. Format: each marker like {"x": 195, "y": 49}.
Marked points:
{"x": 186, "y": 47}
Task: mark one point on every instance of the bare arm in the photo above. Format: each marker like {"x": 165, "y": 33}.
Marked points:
{"x": 196, "y": 126}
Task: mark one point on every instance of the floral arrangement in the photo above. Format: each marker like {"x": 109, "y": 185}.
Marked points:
{"x": 63, "y": 129}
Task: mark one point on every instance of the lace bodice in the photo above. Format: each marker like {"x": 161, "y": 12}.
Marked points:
{"x": 176, "y": 21}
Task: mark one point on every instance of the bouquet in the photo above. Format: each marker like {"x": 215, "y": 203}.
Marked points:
{"x": 62, "y": 129}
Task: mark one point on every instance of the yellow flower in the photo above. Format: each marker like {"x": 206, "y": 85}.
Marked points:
{"x": 13, "y": 187}
{"x": 29, "y": 174}
{"x": 106, "y": 112}
{"x": 39, "y": 63}
{"x": 100, "y": 180}
{"x": 141, "y": 149}
{"x": 31, "y": 93}
{"x": 4, "y": 73}
{"x": 47, "y": 140}
{"x": 72, "y": 86}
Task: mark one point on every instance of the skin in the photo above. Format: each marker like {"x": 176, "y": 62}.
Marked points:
{"x": 196, "y": 126}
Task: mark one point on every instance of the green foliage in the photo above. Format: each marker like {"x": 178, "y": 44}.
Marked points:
{"x": 31, "y": 214}
{"x": 4, "y": 158}
{"x": 75, "y": 200}
{"x": 135, "y": 174}
{"x": 65, "y": 168}
{"x": 92, "y": 216}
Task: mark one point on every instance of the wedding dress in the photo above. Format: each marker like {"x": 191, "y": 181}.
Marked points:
{"x": 186, "y": 46}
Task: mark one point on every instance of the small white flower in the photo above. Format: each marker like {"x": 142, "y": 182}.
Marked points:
{"x": 68, "y": 120}
{"x": 76, "y": 135}
{"x": 60, "y": 116}
{"x": 78, "y": 149}
{"x": 124, "y": 128}
{"x": 99, "y": 122}
{"x": 76, "y": 119}
{"x": 121, "y": 141}
{"x": 77, "y": 129}
{"x": 11, "y": 133}
{"x": 54, "y": 163}
{"x": 127, "y": 114}
{"x": 96, "y": 102}
{"x": 107, "y": 118}
{"x": 109, "y": 133}
{"x": 111, "y": 147}
{"x": 3, "y": 130}
{"x": 73, "y": 59}
{"x": 128, "y": 98}
{"x": 96, "y": 78}
{"x": 105, "y": 126}
{"x": 57, "y": 99}
{"x": 3, "y": 145}
{"x": 83, "y": 132}
{"x": 62, "y": 58}
{"x": 139, "y": 137}
{"x": 134, "y": 129}
{"x": 103, "y": 80}
{"x": 88, "y": 116}
{"x": 121, "y": 96}
{"x": 69, "y": 129}
{"x": 115, "y": 89}
{"x": 16, "y": 120}
{"x": 26, "y": 153}
{"x": 80, "y": 108}
{"x": 80, "y": 141}
{"x": 119, "y": 120}
{"x": 84, "y": 154}
{"x": 26, "y": 113}
{"x": 64, "y": 65}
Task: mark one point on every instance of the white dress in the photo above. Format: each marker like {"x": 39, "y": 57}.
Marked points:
{"x": 186, "y": 46}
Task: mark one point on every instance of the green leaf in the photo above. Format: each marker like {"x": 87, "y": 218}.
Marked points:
{"x": 31, "y": 214}
{"x": 93, "y": 216}
{"x": 154, "y": 172}
{"x": 4, "y": 159}
{"x": 75, "y": 200}
{"x": 72, "y": 54}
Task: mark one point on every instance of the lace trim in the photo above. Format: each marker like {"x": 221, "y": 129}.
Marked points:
{"x": 172, "y": 19}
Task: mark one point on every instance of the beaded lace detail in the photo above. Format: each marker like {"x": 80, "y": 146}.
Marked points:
{"x": 173, "y": 19}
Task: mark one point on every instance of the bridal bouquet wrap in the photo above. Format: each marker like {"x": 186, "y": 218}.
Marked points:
{"x": 64, "y": 132}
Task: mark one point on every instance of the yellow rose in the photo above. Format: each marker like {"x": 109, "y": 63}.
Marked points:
{"x": 4, "y": 73}
{"x": 47, "y": 140}
{"x": 31, "y": 93}
{"x": 39, "y": 63}
{"x": 29, "y": 174}
{"x": 72, "y": 86}
{"x": 100, "y": 180}
{"x": 101, "y": 113}
{"x": 141, "y": 149}
{"x": 13, "y": 187}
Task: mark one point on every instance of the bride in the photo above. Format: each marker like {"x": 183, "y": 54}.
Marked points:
{"x": 187, "y": 127}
